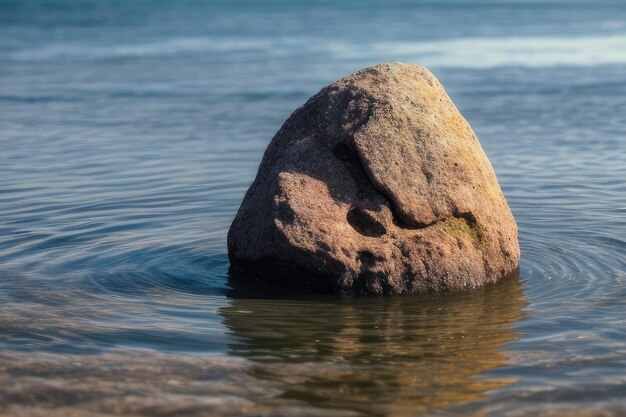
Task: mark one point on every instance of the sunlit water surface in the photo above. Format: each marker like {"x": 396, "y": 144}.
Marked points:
{"x": 129, "y": 132}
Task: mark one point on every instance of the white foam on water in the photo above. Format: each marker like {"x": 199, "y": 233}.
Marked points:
{"x": 514, "y": 51}
{"x": 164, "y": 47}
{"x": 540, "y": 51}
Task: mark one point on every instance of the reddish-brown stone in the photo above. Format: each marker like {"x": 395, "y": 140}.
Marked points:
{"x": 376, "y": 185}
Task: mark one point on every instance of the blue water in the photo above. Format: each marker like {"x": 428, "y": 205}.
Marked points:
{"x": 129, "y": 132}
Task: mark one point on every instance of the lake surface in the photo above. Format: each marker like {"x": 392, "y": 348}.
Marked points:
{"x": 129, "y": 132}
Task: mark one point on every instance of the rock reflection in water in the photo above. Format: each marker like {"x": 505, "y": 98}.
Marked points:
{"x": 376, "y": 356}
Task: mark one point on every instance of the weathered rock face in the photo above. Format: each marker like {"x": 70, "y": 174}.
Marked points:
{"x": 376, "y": 185}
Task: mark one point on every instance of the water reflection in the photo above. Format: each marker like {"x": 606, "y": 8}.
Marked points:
{"x": 375, "y": 356}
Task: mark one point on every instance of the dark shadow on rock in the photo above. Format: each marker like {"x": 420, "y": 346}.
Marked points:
{"x": 398, "y": 355}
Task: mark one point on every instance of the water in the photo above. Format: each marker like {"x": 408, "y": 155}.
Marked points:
{"x": 129, "y": 132}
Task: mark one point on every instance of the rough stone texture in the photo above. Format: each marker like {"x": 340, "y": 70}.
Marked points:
{"x": 376, "y": 185}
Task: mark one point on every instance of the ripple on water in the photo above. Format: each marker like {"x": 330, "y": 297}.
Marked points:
{"x": 121, "y": 170}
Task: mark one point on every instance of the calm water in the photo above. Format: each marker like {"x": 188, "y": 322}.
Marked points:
{"x": 129, "y": 132}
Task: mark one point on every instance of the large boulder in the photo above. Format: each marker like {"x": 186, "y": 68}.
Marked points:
{"x": 376, "y": 185}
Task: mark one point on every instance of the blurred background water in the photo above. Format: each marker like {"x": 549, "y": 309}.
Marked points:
{"x": 129, "y": 132}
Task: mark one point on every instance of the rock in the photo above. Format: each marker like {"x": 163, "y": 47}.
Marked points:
{"x": 376, "y": 185}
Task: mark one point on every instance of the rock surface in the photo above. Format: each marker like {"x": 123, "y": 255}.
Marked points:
{"x": 376, "y": 185}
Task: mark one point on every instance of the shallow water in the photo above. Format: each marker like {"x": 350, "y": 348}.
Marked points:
{"x": 129, "y": 132}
